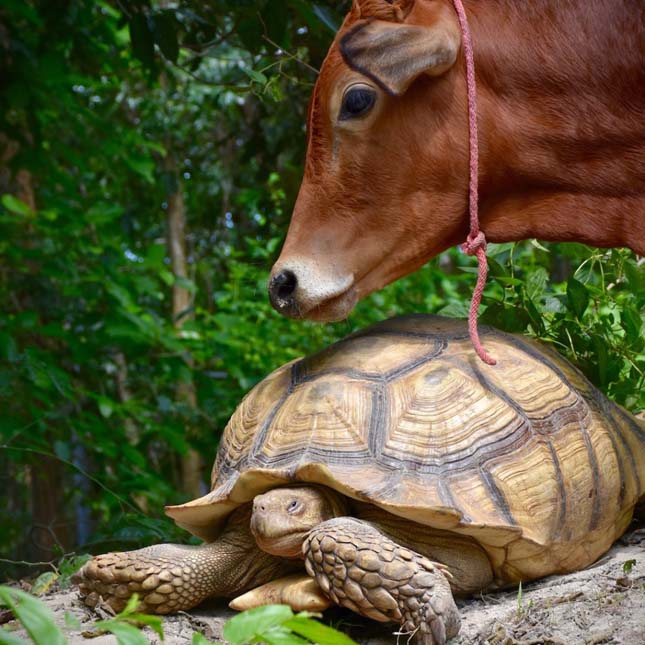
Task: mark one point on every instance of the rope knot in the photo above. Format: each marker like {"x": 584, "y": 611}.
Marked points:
{"x": 474, "y": 242}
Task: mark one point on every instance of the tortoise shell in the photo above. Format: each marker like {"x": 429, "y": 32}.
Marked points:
{"x": 526, "y": 456}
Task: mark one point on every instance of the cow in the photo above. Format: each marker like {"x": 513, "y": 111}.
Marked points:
{"x": 561, "y": 115}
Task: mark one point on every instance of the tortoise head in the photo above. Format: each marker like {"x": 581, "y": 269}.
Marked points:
{"x": 283, "y": 517}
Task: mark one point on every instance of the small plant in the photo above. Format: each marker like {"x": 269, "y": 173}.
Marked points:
{"x": 271, "y": 624}
{"x": 35, "y": 616}
{"x": 521, "y": 609}
{"x": 628, "y": 565}
{"x": 61, "y": 574}
{"x": 125, "y": 625}
{"x": 278, "y": 625}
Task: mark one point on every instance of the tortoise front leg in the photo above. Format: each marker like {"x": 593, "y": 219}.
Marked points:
{"x": 362, "y": 569}
{"x": 174, "y": 577}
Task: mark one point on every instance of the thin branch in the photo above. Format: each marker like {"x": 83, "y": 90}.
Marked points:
{"x": 228, "y": 86}
{"x": 290, "y": 56}
{"x": 202, "y": 50}
{"x": 51, "y": 563}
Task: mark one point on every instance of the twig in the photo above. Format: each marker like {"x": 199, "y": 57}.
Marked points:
{"x": 290, "y": 56}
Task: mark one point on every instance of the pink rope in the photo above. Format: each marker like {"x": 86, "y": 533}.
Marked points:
{"x": 475, "y": 243}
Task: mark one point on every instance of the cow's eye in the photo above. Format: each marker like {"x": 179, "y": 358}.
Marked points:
{"x": 358, "y": 100}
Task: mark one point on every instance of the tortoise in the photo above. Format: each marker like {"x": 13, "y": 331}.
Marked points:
{"x": 393, "y": 471}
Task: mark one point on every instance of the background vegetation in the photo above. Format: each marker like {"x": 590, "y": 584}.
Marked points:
{"x": 150, "y": 153}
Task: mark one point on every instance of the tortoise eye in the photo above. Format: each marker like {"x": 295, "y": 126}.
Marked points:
{"x": 293, "y": 506}
{"x": 358, "y": 100}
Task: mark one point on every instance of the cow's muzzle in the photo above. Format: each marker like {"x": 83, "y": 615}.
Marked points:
{"x": 300, "y": 289}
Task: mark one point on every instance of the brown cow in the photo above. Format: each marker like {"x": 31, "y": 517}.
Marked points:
{"x": 561, "y": 112}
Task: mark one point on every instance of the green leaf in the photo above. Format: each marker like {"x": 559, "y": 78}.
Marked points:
{"x": 69, "y": 566}
{"x": 130, "y": 607}
{"x": 535, "y": 318}
{"x": 43, "y": 583}
{"x": 496, "y": 269}
{"x": 103, "y": 213}
{"x": 280, "y": 635}
{"x": 244, "y": 627}
{"x": 200, "y": 639}
{"x": 154, "y": 622}
{"x": 602, "y": 359}
{"x": 155, "y": 256}
{"x": 539, "y": 246}
{"x": 512, "y": 319}
{"x": 535, "y": 283}
{"x": 258, "y": 77}
{"x": 317, "y": 632}
{"x": 494, "y": 249}
{"x": 7, "y": 638}
{"x": 125, "y": 634}
{"x": 143, "y": 166}
{"x": 16, "y": 206}
{"x": 34, "y": 615}
{"x": 632, "y": 323}
{"x": 554, "y": 305}
{"x": 635, "y": 275}
{"x": 578, "y": 297}
{"x": 455, "y": 310}
{"x": 106, "y": 407}
{"x": 628, "y": 565}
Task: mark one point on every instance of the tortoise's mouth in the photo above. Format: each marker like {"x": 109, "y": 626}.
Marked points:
{"x": 272, "y": 538}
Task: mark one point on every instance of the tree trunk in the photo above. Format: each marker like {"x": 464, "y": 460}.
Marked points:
{"x": 50, "y": 533}
{"x": 191, "y": 463}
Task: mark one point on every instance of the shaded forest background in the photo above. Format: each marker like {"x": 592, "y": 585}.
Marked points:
{"x": 150, "y": 154}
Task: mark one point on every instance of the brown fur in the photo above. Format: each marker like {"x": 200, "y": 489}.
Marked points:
{"x": 561, "y": 92}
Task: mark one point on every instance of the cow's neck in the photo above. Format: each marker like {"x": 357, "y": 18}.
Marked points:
{"x": 561, "y": 120}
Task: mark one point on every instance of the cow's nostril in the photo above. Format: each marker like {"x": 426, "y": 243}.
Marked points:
{"x": 285, "y": 284}
{"x": 282, "y": 289}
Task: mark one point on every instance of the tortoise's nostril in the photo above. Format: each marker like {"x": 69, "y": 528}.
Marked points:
{"x": 282, "y": 290}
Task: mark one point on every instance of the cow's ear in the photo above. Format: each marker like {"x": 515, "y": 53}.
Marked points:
{"x": 394, "y": 54}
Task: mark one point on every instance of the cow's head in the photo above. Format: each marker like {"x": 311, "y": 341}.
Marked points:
{"x": 385, "y": 182}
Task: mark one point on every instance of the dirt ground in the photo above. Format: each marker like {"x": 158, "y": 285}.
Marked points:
{"x": 602, "y": 604}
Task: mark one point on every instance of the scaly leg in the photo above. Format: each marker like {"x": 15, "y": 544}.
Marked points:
{"x": 174, "y": 577}
{"x": 362, "y": 569}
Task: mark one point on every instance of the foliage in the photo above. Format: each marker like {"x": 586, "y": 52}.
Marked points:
{"x": 125, "y": 624}
{"x": 594, "y": 316}
{"x": 271, "y": 624}
{"x": 278, "y": 625}
{"x": 89, "y": 355}
{"x": 35, "y": 617}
